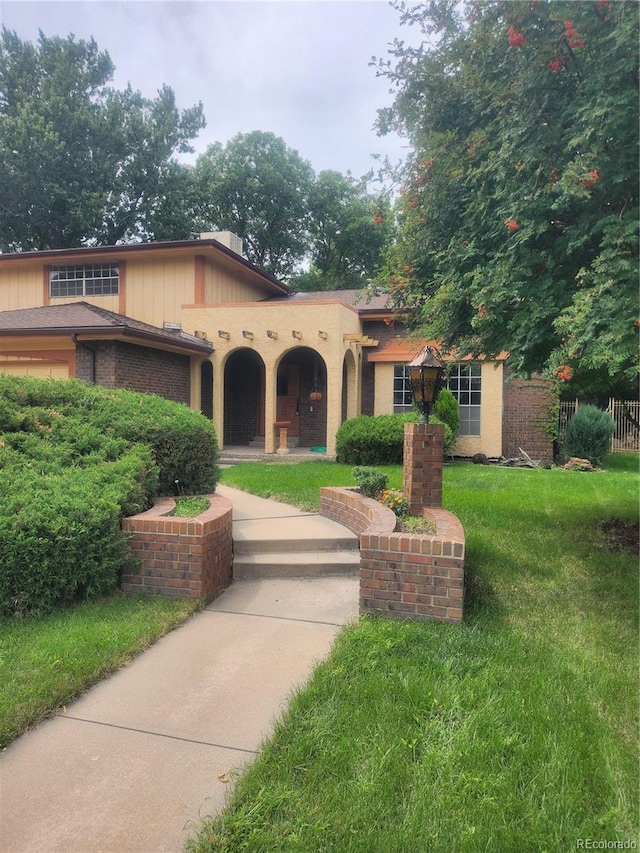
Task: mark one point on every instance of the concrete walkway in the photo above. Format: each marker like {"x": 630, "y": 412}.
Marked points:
{"x": 134, "y": 764}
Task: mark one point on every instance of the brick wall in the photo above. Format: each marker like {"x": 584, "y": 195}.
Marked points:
{"x": 181, "y": 557}
{"x": 526, "y": 414}
{"x": 122, "y": 365}
{"x": 383, "y": 333}
{"x": 402, "y": 575}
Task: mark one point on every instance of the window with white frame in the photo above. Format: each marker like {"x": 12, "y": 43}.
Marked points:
{"x": 402, "y": 394}
{"x": 464, "y": 382}
{"x": 84, "y": 280}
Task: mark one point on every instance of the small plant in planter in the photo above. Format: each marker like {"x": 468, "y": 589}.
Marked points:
{"x": 396, "y": 501}
{"x": 416, "y": 524}
{"x": 371, "y": 481}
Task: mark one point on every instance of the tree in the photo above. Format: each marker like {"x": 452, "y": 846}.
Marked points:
{"x": 519, "y": 212}
{"x": 349, "y": 230}
{"x": 80, "y": 162}
{"x": 258, "y": 188}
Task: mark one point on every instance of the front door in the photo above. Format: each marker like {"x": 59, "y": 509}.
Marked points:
{"x": 288, "y": 401}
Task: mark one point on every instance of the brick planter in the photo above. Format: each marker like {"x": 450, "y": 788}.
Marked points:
{"x": 402, "y": 575}
{"x": 181, "y": 557}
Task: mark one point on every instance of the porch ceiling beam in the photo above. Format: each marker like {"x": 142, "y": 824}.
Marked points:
{"x": 363, "y": 340}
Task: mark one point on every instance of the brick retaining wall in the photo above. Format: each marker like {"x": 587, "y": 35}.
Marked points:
{"x": 181, "y": 557}
{"x": 402, "y": 575}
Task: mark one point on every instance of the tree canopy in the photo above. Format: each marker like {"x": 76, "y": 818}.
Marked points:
{"x": 80, "y": 162}
{"x": 349, "y": 230}
{"x": 519, "y": 206}
{"x": 258, "y": 187}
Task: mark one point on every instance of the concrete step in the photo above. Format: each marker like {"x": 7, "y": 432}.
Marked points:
{"x": 301, "y": 532}
{"x": 295, "y": 564}
{"x": 277, "y": 544}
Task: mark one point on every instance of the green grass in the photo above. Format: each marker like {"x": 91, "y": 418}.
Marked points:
{"x": 516, "y": 731}
{"x": 298, "y": 484}
{"x": 190, "y": 507}
{"x": 47, "y": 660}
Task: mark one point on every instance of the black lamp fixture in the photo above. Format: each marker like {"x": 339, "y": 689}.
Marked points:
{"x": 425, "y": 377}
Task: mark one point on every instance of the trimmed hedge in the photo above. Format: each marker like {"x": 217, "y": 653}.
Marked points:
{"x": 367, "y": 440}
{"x": 379, "y": 440}
{"x": 75, "y": 459}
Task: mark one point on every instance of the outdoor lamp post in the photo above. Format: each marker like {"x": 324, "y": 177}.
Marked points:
{"x": 425, "y": 377}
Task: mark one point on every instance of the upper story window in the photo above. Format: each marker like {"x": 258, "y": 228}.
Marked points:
{"x": 402, "y": 393}
{"x": 464, "y": 382}
{"x": 85, "y": 280}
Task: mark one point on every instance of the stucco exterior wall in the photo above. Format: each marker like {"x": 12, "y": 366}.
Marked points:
{"x": 383, "y": 389}
{"x": 321, "y": 327}
{"x": 489, "y": 441}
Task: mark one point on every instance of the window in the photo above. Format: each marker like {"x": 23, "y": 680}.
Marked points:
{"x": 402, "y": 394}
{"x": 87, "y": 280}
{"x": 464, "y": 383}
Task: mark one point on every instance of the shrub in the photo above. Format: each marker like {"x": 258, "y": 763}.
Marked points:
{"x": 588, "y": 434}
{"x": 370, "y": 480}
{"x": 60, "y": 536}
{"x": 366, "y": 440}
{"x": 75, "y": 459}
{"x": 447, "y": 411}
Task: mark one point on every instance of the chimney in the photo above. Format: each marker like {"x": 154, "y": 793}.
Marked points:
{"x": 227, "y": 238}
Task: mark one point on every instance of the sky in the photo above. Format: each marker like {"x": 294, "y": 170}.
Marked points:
{"x": 297, "y": 68}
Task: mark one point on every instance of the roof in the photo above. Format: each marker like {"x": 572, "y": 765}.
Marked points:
{"x": 359, "y": 300}
{"x": 88, "y": 322}
{"x": 208, "y": 247}
{"x": 399, "y": 350}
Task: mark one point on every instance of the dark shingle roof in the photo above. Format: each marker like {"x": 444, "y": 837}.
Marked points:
{"x": 85, "y": 319}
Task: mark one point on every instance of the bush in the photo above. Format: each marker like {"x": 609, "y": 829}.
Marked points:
{"x": 75, "y": 459}
{"x": 588, "y": 434}
{"x": 447, "y": 411}
{"x": 366, "y": 440}
{"x": 370, "y": 480}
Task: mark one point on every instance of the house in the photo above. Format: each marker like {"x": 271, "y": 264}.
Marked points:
{"x": 194, "y": 321}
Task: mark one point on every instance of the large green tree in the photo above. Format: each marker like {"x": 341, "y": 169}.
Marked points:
{"x": 519, "y": 206}
{"x": 349, "y": 229}
{"x": 80, "y": 162}
{"x": 258, "y": 187}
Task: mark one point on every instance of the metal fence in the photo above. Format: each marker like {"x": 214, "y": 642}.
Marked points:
{"x": 626, "y": 415}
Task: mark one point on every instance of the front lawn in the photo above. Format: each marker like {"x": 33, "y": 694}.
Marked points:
{"x": 47, "y": 660}
{"x": 516, "y": 731}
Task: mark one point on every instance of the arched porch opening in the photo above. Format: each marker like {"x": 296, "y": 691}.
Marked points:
{"x": 244, "y": 380}
{"x": 301, "y": 389}
{"x": 206, "y": 389}
{"x": 349, "y": 402}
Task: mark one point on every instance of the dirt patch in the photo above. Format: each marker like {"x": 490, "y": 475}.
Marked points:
{"x": 621, "y": 535}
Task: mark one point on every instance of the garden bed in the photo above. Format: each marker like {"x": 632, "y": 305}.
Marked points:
{"x": 407, "y": 575}
{"x": 181, "y": 557}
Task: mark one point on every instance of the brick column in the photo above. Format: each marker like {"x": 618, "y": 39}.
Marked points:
{"x": 423, "y": 458}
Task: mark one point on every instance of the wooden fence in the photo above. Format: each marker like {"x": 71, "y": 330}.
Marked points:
{"x": 626, "y": 415}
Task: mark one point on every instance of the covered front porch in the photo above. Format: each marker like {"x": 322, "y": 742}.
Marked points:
{"x": 282, "y": 377}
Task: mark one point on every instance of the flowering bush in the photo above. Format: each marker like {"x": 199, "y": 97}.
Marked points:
{"x": 396, "y": 501}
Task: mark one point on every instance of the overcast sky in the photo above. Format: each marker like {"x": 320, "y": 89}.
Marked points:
{"x": 296, "y": 68}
